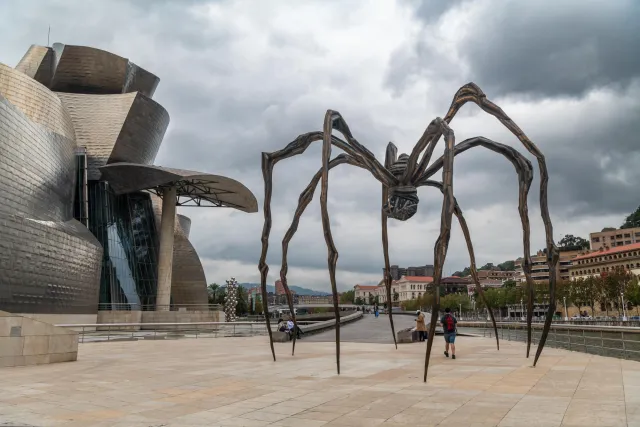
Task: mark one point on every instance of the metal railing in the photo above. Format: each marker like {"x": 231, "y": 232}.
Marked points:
{"x": 99, "y": 332}
{"x": 154, "y": 307}
{"x": 612, "y": 341}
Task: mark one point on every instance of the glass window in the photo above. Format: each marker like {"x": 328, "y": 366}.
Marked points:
{"x": 125, "y": 226}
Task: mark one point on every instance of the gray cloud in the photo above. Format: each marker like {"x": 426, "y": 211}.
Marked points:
{"x": 240, "y": 78}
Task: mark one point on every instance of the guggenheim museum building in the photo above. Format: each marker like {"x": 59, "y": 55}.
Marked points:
{"x": 87, "y": 221}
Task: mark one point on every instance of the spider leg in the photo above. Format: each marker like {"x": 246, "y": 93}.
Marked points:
{"x": 525, "y": 177}
{"x": 298, "y": 146}
{"x": 331, "y": 119}
{"x": 305, "y": 198}
{"x": 430, "y": 136}
{"x": 472, "y": 258}
{"x": 390, "y": 158}
{"x": 442, "y": 243}
{"x": 471, "y": 92}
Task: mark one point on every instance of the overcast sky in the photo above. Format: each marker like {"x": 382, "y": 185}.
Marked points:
{"x": 242, "y": 77}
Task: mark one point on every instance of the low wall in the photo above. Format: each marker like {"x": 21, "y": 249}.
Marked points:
{"x": 330, "y": 324}
{"x": 119, "y": 316}
{"x": 25, "y": 341}
{"x": 178, "y": 317}
{"x": 63, "y": 319}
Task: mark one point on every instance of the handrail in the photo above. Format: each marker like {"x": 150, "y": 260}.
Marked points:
{"x": 632, "y": 329}
{"x": 102, "y": 325}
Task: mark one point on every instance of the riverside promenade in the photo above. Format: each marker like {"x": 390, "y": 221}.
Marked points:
{"x": 234, "y": 382}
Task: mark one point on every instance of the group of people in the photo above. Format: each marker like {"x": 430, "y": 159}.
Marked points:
{"x": 289, "y": 328}
{"x": 449, "y": 328}
{"x": 375, "y": 310}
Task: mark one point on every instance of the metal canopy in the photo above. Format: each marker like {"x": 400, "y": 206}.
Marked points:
{"x": 193, "y": 188}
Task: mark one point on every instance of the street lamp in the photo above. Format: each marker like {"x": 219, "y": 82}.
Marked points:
{"x": 461, "y": 310}
{"x": 624, "y": 313}
{"x": 521, "y": 309}
{"x": 566, "y": 314}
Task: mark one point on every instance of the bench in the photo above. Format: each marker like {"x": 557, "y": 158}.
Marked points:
{"x": 280, "y": 336}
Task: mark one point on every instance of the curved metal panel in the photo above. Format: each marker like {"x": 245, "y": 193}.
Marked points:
{"x": 37, "y": 63}
{"x": 38, "y": 168}
{"x": 188, "y": 281}
{"x": 192, "y": 186}
{"x": 185, "y": 224}
{"x": 82, "y": 69}
{"x": 35, "y": 101}
{"x": 48, "y": 267}
{"x": 127, "y": 127}
{"x": 49, "y": 262}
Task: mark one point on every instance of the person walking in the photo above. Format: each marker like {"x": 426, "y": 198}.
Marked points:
{"x": 421, "y": 327}
{"x": 449, "y": 329}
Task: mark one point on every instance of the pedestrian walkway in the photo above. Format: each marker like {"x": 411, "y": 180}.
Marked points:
{"x": 234, "y": 382}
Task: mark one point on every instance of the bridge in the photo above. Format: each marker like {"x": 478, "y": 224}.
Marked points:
{"x": 286, "y": 307}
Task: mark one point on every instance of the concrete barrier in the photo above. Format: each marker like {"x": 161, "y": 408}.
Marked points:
{"x": 25, "y": 341}
{"x": 319, "y": 326}
{"x": 330, "y": 324}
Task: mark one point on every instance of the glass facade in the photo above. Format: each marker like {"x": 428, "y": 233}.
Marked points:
{"x": 125, "y": 226}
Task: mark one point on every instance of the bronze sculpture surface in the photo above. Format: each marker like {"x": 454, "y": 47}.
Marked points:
{"x": 400, "y": 177}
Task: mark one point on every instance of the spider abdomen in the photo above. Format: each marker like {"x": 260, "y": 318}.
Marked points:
{"x": 402, "y": 203}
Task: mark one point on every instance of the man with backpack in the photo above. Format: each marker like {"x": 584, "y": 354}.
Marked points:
{"x": 449, "y": 329}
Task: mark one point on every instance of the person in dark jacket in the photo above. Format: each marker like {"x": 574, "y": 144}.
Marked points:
{"x": 449, "y": 328}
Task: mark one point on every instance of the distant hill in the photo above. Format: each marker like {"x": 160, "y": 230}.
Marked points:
{"x": 297, "y": 289}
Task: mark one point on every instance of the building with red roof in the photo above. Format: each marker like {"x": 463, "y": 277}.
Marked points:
{"x": 606, "y": 260}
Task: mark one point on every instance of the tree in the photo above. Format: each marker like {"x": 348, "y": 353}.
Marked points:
{"x": 215, "y": 294}
{"x": 359, "y": 301}
{"x": 507, "y": 266}
{"x": 570, "y": 242}
{"x": 577, "y": 294}
{"x": 633, "y": 294}
{"x": 454, "y": 301}
{"x": 464, "y": 273}
{"x": 487, "y": 266}
{"x": 259, "y": 307}
{"x": 591, "y": 288}
{"x": 396, "y": 296}
{"x": 510, "y": 283}
{"x": 243, "y": 306}
{"x": 633, "y": 220}
{"x": 347, "y": 297}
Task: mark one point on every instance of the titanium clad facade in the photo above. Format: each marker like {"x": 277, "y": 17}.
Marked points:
{"x": 35, "y": 101}
{"x": 49, "y": 262}
{"x": 70, "y": 240}
{"x": 82, "y": 69}
{"x": 116, "y": 128}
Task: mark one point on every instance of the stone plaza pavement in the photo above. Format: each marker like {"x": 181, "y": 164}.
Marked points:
{"x": 234, "y": 382}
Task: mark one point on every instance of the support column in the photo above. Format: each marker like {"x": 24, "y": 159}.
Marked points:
{"x": 165, "y": 253}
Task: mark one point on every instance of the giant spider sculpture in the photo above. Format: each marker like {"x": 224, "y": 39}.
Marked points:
{"x": 400, "y": 177}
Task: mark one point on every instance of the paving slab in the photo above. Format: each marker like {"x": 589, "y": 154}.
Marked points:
{"x": 235, "y": 382}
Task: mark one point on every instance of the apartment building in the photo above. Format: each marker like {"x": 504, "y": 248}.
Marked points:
{"x": 398, "y": 272}
{"x": 495, "y": 275}
{"x": 540, "y": 268}
{"x": 603, "y": 261}
{"x": 315, "y": 299}
{"x": 365, "y": 291}
{"x": 614, "y": 238}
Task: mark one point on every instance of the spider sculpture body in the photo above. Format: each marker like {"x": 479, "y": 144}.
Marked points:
{"x": 400, "y": 177}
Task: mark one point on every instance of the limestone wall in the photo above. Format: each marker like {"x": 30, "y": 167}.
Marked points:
{"x": 178, "y": 317}
{"x": 116, "y": 316}
{"x": 25, "y": 341}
